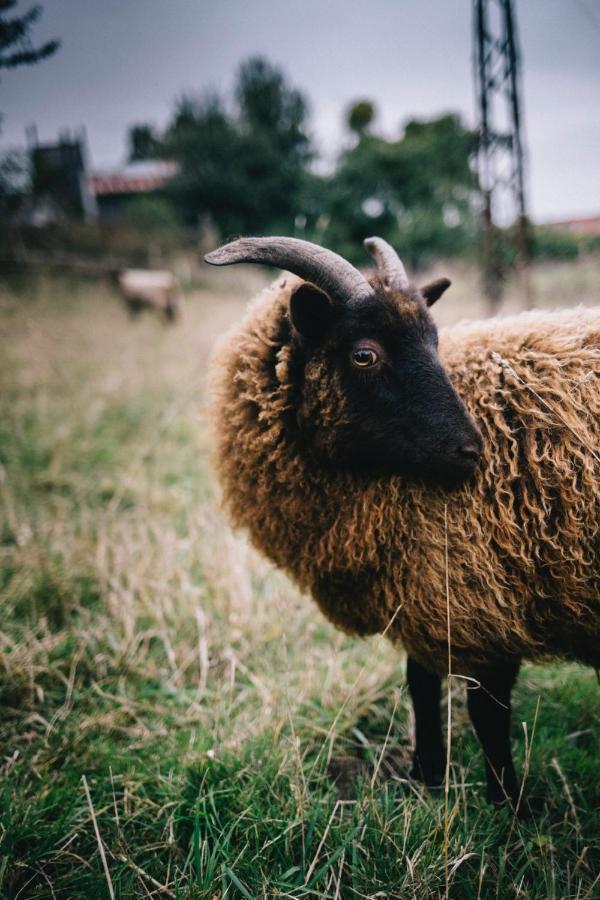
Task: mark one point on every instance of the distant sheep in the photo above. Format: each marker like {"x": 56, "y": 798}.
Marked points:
{"x": 156, "y": 290}
{"x": 338, "y": 432}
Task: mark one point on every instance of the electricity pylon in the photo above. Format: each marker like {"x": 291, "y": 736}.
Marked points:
{"x": 500, "y": 154}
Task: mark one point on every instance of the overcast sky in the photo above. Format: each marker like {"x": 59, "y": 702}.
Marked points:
{"x": 125, "y": 61}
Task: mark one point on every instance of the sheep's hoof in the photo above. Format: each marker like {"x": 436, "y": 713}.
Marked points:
{"x": 432, "y": 779}
{"x": 347, "y": 772}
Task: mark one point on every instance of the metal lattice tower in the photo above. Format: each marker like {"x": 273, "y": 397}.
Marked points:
{"x": 500, "y": 157}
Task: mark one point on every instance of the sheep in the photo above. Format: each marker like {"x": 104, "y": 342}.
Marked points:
{"x": 149, "y": 289}
{"x": 343, "y": 448}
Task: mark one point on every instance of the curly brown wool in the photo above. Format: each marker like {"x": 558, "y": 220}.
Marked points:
{"x": 523, "y": 538}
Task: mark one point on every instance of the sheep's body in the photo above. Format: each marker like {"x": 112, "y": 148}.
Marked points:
{"x": 150, "y": 289}
{"x": 514, "y": 556}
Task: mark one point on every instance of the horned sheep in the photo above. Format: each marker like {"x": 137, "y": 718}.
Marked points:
{"x": 347, "y": 447}
{"x": 150, "y": 289}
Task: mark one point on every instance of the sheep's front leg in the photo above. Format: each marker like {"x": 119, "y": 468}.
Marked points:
{"x": 428, "y": 758}
{"x": 489, "y": 709}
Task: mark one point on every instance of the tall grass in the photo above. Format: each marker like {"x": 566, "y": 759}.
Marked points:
{"x": 169, "y": 703}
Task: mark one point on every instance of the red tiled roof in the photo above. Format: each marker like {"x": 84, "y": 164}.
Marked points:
{"x": 586, "y": 226}
{"x": 135, "y": 178}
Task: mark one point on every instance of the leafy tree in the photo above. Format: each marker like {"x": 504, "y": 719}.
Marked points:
{"x": 416, "y": 192}
{"x": 360, "y": 116}
{"x": 16, "y": 47}
{"x": 206, "y": 144}
{"x": 248, "y": 168}
{"x": 143, "y": 143}
{"x": 269, "y": 108}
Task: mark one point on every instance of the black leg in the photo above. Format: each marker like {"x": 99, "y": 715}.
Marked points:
{"x": 489, "y": 709}
{"x": 428, "y": 758}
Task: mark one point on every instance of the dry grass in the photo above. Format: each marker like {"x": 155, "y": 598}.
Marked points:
{"x": 151, "y": 653}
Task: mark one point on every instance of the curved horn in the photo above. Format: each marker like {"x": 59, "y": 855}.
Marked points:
{"x": 323, "y": 267}
{"x": 388, "y": 262}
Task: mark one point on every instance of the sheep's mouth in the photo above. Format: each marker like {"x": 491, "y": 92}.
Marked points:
{"x": 454, "y": 475}
{"x": 449, "y": 471}
{"x": 435, "y": 469}
{"x": 407, "y": 457}
{"x": 450, "y": 462}
{"x": 428, "y": 471}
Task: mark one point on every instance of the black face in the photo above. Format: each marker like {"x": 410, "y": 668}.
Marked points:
{"x": 375, "y": 394}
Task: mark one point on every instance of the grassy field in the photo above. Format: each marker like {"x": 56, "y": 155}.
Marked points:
{"x": 169, "y": 702}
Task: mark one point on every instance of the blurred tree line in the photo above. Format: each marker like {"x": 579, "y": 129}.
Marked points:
{"x": 247, "y": 167}
{"x": 249, "y": 164}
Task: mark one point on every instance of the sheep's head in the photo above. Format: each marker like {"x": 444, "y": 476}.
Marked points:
{"x": 373, "y": 392}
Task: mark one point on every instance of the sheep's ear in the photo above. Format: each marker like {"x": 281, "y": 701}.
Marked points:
{"x": 311, "y": 311}
{"x": 434, "y": 290}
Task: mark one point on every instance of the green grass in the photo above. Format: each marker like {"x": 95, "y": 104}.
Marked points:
{"x": 148, "y": 654}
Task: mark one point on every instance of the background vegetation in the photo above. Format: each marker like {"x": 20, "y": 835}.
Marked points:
{"x": 169, "y": 703}
{"x": 249, "y": 164}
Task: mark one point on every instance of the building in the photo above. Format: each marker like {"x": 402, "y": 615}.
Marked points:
{"x": 586, "y": 227}
{"x": 64, "y": 185}
{"x": 113, "y": 188}
{"x": 59, "y": 175}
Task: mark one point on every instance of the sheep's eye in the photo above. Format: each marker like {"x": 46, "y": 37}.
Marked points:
{"x": 364, "y": 357}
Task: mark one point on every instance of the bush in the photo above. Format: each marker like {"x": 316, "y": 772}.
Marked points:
{"x": 151, "y": 215}
{"x": 549, "y": 244}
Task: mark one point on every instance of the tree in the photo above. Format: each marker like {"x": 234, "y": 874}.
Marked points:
{"x": 416, "y": 192}
{"x": 143, "y": 143}
{"x": 269, "y": 107}
{"x": 360, "y": 116}
{"x": 248, "y": 169}
{"x": 16, "y": 47}
{"x": 205, "y": 142}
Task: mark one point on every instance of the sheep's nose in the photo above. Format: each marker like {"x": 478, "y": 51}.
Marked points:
{"x": 468, "y": 453}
